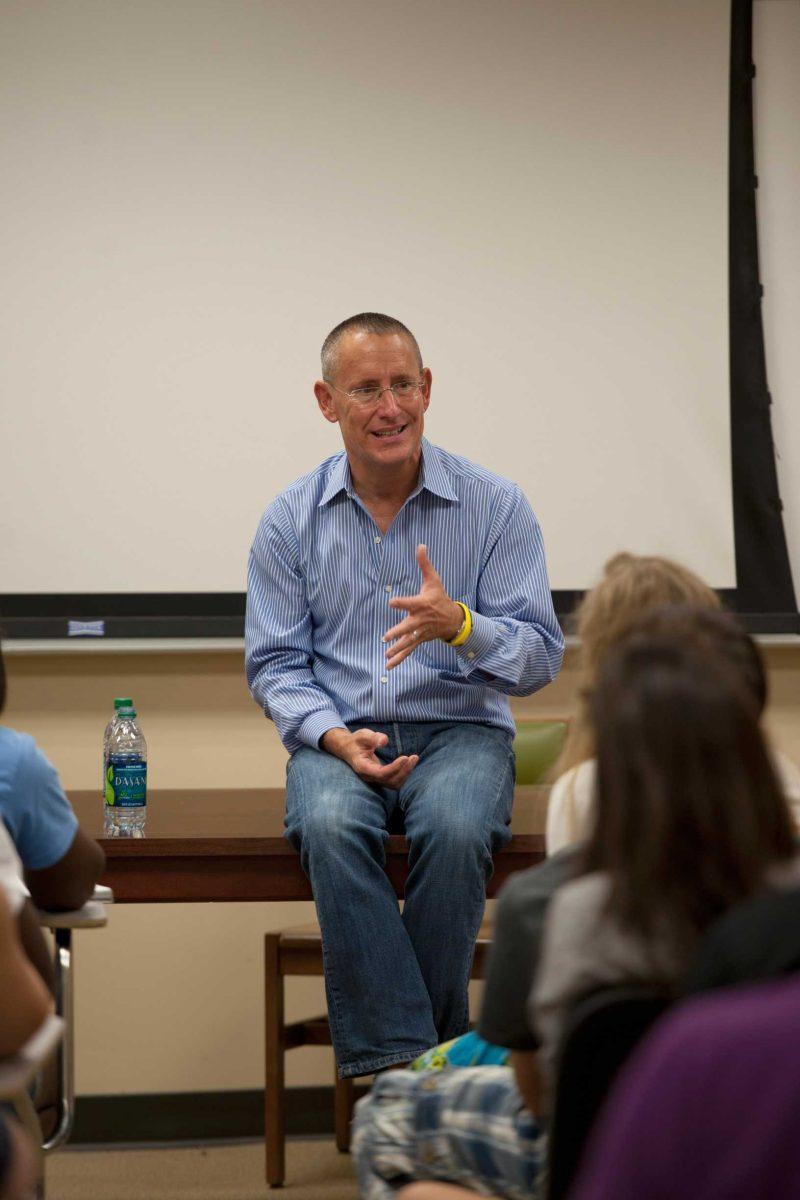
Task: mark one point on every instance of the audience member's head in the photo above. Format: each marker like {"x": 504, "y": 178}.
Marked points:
{"x": 631, "y": 585}
{"x": 714, "y": 632}
{"x": 688, "y": 812}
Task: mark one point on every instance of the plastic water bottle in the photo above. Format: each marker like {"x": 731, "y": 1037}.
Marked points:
{"x": 120, "y": 702}
{"x": 126, "y": 777}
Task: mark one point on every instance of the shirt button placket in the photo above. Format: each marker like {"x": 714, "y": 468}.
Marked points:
{"x": 384, "y": 679}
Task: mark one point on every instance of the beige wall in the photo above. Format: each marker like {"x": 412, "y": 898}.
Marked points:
{"x": 169, "y": 996}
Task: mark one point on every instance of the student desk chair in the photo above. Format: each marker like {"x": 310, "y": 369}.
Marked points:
{"x": 298, "y": 951}
{"x": 93, "y": 915}
{"x": 18, "y": 1073}
{"x": 602, "y": 1031}
{"x": 55, "y": 1035}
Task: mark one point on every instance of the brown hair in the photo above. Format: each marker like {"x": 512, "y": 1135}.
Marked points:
{"x": 631, "y": 585}
{"x": 689, "y": 813}
{"x": 715, "y": 632}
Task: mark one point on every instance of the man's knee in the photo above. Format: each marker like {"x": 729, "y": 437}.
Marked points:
{"x": 334, "y": 821}
{"x": 458, "y": 838}
{"x": 451, "y": 836}
{"x": 326, "y": 803}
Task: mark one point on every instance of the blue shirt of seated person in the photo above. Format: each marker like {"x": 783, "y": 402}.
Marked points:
{"x": 33, "y": 806}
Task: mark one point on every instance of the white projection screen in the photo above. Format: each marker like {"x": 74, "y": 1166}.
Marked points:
{"x": 195, "y": 191}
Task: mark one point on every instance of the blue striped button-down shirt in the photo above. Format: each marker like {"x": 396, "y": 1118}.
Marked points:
{"x": 321, "y": 575}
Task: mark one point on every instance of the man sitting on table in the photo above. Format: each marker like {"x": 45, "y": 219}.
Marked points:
{"x": 397, "y": 595}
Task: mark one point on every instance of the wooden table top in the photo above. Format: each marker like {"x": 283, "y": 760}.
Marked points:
{"x": 217, "y": 844}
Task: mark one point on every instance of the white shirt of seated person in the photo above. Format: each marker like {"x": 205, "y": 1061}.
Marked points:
{"x": 569, "y": 807}
{"x": 11, "y": 878}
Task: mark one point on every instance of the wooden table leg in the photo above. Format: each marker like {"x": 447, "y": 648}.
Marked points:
{"x": 274, "y": 1089}
{"x": 343, "y": 1112}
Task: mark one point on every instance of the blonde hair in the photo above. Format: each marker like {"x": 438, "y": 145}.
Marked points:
{"x": 631, "y": 585}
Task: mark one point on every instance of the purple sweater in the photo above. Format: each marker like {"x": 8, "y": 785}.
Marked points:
{"x": 709, "y": 1107}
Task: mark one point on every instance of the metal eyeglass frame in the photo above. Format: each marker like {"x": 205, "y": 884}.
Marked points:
{"x": 357, "y": 394}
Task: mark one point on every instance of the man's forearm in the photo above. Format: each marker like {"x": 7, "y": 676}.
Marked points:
{"x": 510, "y": 655}
{"x": 289, "y": 694}
{"x": 516, "y": 644}
{"x": 279, "y": 644}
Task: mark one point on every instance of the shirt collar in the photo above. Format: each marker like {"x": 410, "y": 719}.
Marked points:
{"x": 433, "y": 477}
{"x": 338, "y": 480}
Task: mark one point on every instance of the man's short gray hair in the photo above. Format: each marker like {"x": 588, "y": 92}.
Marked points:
{"x": 369, "y": 322}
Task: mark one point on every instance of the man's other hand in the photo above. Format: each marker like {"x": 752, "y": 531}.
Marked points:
{"x": 358, "y": 751}
{"x": 431, "y": 615}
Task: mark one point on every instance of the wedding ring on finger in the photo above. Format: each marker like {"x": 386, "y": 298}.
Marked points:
{"x": 414, "y": 634}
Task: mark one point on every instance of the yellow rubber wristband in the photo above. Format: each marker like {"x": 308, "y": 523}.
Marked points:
{"x": 466, "y": 628}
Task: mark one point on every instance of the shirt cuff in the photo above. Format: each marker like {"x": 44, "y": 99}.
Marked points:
{"x": 478, "y": 644}
{"x": 318, "y": 723}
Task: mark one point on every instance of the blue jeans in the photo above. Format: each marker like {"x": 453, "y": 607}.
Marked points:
{"x": 397, "y": 983}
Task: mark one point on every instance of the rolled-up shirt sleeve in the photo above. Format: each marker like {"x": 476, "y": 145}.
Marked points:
{"x": 279, "y": 639}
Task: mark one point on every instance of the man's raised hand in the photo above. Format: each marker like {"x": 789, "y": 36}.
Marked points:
{"x": 431, "y": 615}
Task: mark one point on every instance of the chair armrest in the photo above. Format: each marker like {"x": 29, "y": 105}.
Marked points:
{"x": 92, "y": 915}
{"x": 17, "y": 1071}
{"x": 103, "y": 894}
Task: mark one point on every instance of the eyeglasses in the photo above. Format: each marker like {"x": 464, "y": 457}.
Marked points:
{"x": 407, "y": 389}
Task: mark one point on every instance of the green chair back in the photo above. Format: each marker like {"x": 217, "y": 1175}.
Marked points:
{"x": 537, "y": 745}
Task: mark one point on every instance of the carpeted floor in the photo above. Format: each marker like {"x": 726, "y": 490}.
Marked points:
{"x": 314, "y": 1171}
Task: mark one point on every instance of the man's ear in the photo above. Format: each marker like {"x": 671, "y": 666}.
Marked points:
{"x": 426, "y": 389}
{"x": 325, "y": 401}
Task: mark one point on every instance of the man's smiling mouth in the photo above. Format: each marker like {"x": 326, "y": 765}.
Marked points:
{"x": 389, "y": 433}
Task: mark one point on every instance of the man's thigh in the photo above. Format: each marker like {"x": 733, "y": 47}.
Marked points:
{"x": 464, "y": 781}
{"x": 325, "y": 798}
